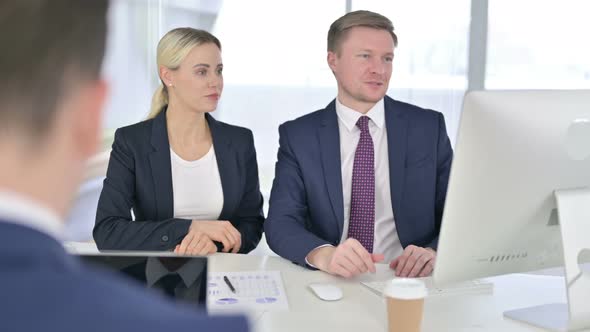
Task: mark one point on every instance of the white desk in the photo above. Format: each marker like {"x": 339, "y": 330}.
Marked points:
{"x": 362, "y": 310}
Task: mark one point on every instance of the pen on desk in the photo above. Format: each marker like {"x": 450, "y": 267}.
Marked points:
{"x": 225, "y": 278}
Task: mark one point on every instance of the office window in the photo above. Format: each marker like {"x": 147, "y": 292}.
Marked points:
{"x": 538, "y": 45}
{"x": 275, "y": 69}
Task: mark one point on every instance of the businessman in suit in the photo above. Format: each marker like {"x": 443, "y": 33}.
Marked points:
{"x": 364, "y": 179}
{"x": 51, "y": 99}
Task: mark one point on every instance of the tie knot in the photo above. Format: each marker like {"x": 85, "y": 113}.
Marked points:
{"x": 363, "y": 123}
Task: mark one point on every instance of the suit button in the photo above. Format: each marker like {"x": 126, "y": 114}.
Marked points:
{"x": 165, "y": 238}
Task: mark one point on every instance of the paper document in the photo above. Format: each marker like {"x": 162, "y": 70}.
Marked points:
{"x": 254, "y": 290}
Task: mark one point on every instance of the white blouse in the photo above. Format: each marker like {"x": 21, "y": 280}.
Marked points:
{"x": 196, "y": 185}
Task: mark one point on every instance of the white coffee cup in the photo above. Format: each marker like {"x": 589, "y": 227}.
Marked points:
{"x": 405, "y": 304}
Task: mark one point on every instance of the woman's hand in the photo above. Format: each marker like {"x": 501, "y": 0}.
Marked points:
{"x": 220, "y": 231}
{"x": 196, "y": 243}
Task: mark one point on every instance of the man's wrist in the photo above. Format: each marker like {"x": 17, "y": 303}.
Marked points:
{"x": 319, "y": 256}
{"x": 193, "y": 225}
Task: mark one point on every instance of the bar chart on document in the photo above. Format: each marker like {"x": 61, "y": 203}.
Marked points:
{"x": 254, "y": 290}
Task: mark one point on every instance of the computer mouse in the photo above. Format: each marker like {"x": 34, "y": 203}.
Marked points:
{"x": 326, "y": 292}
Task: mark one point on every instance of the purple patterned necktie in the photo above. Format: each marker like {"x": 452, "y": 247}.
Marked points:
{"x": 362, "y": 204}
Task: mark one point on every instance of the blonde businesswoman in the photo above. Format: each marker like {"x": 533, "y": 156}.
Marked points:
{"x": 191, "y": 181}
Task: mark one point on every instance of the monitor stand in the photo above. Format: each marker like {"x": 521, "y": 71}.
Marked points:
{"x": 573, "y": 206}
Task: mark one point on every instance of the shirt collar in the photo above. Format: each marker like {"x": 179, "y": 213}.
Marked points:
{"x": 349, "y": 117}
{"x": 18, "y": 209}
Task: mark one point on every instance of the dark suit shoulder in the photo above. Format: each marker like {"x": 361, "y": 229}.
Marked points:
{"x": 121, "y": 299}
{"x": 240, "y": 138}
{"x": 410, "y": 110}
{"x": 144, "y": 128}
{"x": 305, "y": 121}
{"x": 96, "y": 300}
{"x": 234, "y": 131}
{"x": 141, "y": 130}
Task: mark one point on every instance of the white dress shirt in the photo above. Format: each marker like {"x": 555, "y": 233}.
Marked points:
{"x": 21, "y": 210}
{"x": 386, "y": 240}
{"x": 196, "y": 186}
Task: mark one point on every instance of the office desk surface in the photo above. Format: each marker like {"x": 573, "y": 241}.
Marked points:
{"x": 362, "y": 310}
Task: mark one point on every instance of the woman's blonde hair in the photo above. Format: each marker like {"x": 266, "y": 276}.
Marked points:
{"x": 172, "y": 49}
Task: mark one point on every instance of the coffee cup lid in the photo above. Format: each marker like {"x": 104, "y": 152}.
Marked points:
{"x": 406, "y": 289}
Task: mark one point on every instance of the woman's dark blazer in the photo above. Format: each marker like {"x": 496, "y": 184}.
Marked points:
{"x": 139, "y": 177}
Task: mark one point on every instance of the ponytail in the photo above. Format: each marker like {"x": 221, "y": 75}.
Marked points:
{"x": 159, "y": 100}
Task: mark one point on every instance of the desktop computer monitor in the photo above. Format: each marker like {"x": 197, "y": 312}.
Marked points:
{"x": 519, "y": 193}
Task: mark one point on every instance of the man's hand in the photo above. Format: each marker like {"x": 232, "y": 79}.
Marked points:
{"x": 195, "y": 243}
{"x": 414, "y": 262}
{"x": 220, "y": 231}
{"x": 348, "y": 259}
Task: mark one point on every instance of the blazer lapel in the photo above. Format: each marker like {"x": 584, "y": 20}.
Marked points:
{"x": 329, "y": 138}
{"x": 396, "y": 144}
{"x": 161, "y": 169}
{"x": 228, "y": 166}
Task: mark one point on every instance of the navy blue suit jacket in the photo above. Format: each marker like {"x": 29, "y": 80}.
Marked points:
{"x": 45, "y": 289}
{"x": 139, "y": 176}
{"x": 306, "y": 208}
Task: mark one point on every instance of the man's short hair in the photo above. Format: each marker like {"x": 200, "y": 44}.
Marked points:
{"x": 48, "y": 47}
{"x": 360, "y": 18}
